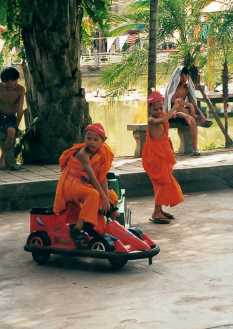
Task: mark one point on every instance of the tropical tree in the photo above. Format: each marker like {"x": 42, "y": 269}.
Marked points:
{"x": 220, "y": 31}
{"x": 50, "y": 33}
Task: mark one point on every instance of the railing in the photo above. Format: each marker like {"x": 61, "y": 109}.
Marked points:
{"x": 101, "y": 59}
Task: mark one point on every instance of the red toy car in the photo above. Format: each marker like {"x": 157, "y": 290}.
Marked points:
{"x": 50, "y": 234}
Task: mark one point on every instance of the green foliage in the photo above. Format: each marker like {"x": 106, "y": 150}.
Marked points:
{"x": 96, "y": 14}
{"x": 98, "y": 11}
{"x": 182, "y": 17}
{"x": 3, "y": 12}
{"x": 220, "y": 28}
{"x": 178, "y": 17}
{"x": 220, "y": 51}
{"x": 139, "y": 12}
{"x": 123, "y": 29}
{"x": 119, "y": 77}
{"x": 1, "y": 61}
{"x": 11, "y": 12}
{"x": 136, "y": 17}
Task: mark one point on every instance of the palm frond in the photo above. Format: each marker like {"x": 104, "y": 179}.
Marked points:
{"x": 118, "y": 78}
{"x": 125, "y": 28}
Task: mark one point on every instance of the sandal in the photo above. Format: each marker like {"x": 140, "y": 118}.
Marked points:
{"x": 160, "y": 220}
{"x": 196, "y": 154}
{"x": 206, "y": 124}
{"x": 169, "y": 216}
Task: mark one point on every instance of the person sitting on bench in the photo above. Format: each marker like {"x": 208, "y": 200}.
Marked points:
{"x": 181, "y": 87}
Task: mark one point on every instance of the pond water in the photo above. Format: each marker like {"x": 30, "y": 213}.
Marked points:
{"x": 115, "y": 115}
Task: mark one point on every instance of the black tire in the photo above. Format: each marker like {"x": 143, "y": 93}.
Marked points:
{"x": 118, "y": 263}
{"x": 40, "y": 239}
{"x": 105, "y": 244}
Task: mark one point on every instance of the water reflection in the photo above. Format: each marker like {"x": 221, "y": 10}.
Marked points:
{"x": 115, "y": 116}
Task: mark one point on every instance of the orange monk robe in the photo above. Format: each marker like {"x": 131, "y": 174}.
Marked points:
{"x": 158, "y": 161}
{"x": 73, "y": 188}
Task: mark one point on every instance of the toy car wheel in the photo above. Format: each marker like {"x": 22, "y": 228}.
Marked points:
{"x": 118, "y": 263}
{"x": 105, "y": 243}
{"x": 98, "y": 246}
{"x": 39, "y": 239}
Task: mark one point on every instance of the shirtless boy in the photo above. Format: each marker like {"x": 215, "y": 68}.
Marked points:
{"x": 11, "y": 112}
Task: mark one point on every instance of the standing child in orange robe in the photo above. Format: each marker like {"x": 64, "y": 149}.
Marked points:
{"x": 158, "y": 159}
{"x": 83, "y": 182}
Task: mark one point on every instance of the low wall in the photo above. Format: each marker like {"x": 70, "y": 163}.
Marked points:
{"x": 22, "y": 196}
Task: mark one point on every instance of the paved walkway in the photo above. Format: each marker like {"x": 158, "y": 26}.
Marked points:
{"x": 188, "y": 286}
{"x": 124, "y": 165}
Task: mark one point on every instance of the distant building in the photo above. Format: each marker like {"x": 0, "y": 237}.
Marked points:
{"x": 217, "y": 6}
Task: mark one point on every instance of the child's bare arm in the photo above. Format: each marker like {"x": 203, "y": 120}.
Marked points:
{"x": 84, "y": 159}
{"x": 174, "y": 109}
{"x": 156, "y": 121}
{"x": 20, "y": 102}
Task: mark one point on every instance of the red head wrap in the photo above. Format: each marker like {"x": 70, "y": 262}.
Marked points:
{"x": 96, "y": 128}
{"x": 155, "y": 97}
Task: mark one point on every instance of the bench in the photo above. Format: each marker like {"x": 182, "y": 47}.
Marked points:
{"x": 139, "y": 134}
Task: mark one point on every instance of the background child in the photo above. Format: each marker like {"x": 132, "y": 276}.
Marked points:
{"x": 11, "y": 112}
{"x": 158, "y": 159}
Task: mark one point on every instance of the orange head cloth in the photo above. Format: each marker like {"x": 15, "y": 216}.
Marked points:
{"x": 155, "y": 97}
{"x": 96, "y": 128}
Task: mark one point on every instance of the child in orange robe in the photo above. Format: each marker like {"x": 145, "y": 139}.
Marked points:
{"x": 158, "y": 159}
{"x": 83, "y": 182}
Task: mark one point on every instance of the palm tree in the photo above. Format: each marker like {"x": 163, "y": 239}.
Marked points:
{"x": 220, "y": 29}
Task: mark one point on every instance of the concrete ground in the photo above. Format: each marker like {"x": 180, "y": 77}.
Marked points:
{"x": 189, "y": 285}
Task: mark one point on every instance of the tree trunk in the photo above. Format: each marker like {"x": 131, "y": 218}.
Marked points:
{"x": 225, "y": 78}
{"x": 152, "y": 46}
{"x": 51, "y": 36}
